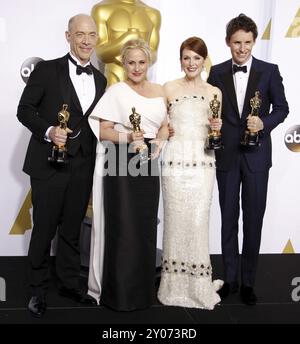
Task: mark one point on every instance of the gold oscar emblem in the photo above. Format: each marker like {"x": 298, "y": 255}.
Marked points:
{"x": 214, "y": 141}
{"x": 251, "y": 136}
{"x": 59, "y": 152}
{"x": 141, "y": 149}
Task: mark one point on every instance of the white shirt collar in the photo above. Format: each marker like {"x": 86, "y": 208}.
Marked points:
{"x": 248, "y": 64}
{"x": 77, "y": 61}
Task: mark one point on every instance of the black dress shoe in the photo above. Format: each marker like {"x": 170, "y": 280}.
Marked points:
{"x": 228, "y": 288}
{"x": 248, "y": 296}
{"x": 77, "y": 295}
{"x": 37, "y": 306}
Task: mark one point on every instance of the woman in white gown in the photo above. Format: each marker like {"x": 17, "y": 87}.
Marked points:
{"x": 187, "y": 184}
{"x": 124, "y": 279}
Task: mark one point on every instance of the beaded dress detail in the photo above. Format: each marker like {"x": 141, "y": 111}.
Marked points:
{"x": 188, "y": 176}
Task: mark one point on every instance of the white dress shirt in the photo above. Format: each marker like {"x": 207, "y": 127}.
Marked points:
{"x": 84, "y": 85}
{"x": 240, "y": 80}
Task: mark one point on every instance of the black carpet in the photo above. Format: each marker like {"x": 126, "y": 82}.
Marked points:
{"x": 273, "y": 288}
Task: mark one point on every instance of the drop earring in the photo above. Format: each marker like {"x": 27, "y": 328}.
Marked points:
{"x": 204, "y": 73}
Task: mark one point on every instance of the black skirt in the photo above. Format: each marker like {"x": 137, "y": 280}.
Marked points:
{"x": 130, "y": 207}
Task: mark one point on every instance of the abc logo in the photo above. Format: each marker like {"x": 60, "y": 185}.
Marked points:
{"x": 292, "y": 138}
{"x": 28, "y": 66}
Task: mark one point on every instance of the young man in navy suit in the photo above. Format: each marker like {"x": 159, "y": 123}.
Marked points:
{"x": 243, "y": 170}
{"x": 61, "y": 191}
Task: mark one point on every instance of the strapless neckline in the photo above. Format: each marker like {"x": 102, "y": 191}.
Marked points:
{"x": 184, "y": 97}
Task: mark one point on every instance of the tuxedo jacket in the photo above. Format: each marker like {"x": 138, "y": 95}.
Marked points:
{"x": 265, "y": 78}
{"x": 48, "y": 88}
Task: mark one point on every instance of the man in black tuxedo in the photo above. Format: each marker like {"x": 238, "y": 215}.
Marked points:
{"x": 245, "y": 168}
{"x": 60, "y": 192}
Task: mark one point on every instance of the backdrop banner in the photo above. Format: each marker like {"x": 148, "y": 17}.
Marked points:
{"x": 34, "y": 30}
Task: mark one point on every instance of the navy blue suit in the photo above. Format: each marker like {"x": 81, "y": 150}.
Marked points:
{"x": 245, "y": 169}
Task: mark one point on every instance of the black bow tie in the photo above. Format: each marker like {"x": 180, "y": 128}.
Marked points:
{"x": 87, "y": 69}
{"x": 79, "y": 69}
{"x": 236, "y": 68}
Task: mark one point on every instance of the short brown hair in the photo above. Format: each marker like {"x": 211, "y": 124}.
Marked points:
{"x": 195, "y": 44}
{"x": 241, "y": 22}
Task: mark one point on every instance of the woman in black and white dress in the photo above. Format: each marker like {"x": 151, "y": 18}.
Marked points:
{"x": 130, "y": 189}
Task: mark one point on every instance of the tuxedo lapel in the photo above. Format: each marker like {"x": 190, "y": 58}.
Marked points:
{"x": 67, "y": 89}
{"x": 254, "y": 77}
{"x": 227, "y": 79}
{"x": 98, "y": 93}
{"x": 64, "y": 80}
{"x": 75, "y": 98}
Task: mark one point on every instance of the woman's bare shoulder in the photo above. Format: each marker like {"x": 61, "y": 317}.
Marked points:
{"x": 157, "y": 89}
{"x": 172, "y": 87}
{"x": 172, "y": 84}
{"x": 213, "y": 90}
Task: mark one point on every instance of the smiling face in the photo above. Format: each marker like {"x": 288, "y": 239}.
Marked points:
{"x": 241, "y": 44}
{"x": 82, "y": 37}
{"x": 191, "y": 63}
{"x": 136, "y": 65}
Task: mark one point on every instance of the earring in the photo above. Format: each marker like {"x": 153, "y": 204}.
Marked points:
{"x": 204, "y": 73}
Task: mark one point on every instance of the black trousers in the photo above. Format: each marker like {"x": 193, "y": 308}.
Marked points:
{"x": 59, "y": 205}
{"x": 251, "y": 187}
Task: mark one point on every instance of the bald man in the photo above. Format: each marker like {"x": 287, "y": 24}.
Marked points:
{"x": 61, "y": 184}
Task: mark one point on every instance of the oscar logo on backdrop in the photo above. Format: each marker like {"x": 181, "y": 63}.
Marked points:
{"x": 119, "y": 21}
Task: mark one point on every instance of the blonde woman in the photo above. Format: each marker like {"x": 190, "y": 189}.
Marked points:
{"x": 130, "y": 189}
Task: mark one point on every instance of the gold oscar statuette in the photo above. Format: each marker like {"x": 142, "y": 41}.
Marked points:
{"x": 119, "y": 21}
{"x": 214, "y": 140}
{"x": 141, "y": 149}
{"x": 251, "y": 136}
{"x": 59, "y": 152}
